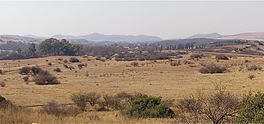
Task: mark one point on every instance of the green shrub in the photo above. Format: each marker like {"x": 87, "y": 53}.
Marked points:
{"x": 252, "y": 109}
{"x": 212, "y": 69}
{"x": 143, "y": 106}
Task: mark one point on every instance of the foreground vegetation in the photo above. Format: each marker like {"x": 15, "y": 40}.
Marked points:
{"x": 220, "y": 106}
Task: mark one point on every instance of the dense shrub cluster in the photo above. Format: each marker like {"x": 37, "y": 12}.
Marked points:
{"x": 40, "y": 76}
{"x": 212, "y": 69}
{"x": 143, "y": 106}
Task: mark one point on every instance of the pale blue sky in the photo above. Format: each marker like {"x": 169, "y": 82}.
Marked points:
{"x": 163, "y": 19}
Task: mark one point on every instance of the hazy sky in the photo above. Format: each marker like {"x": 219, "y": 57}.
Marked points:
{"x": 164, "y": 19}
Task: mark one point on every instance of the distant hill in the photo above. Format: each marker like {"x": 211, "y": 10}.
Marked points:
{"x": 210, "y": 36}
{"x": 113, "y": 38}
{"x": 17, "y": 38}
{"x": 246, "y": 36}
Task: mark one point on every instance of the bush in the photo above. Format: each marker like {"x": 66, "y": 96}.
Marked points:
{"x": 212, "y": 69}
{"x": 74, "y": 60}
{"x": 50, "y": 64}
{"x": 175, "y": 63}
{"x": 4, "y": 103}
{"x": 65, "y": 61}
{"x": 111, "y": 103}
{"x": 251, "y": 76}
{"x": 25, "y": 70}
{"x": 254, "y": 67}
{"x": 2, "y": 99}
{"x": 252, "y": 109}
{"x": 54, "y": 108}
{"x": 135, "y": 64}
{"x": 36, "y": 70}
{"x": 57, "y": 70}
{"x": 221, "y": 57}
{"x": 82, "y": 99}
{"x": 116, "y": 102}
{"x": 2, "y": 84}
{"x": 196, "y": 56}
{"x": 44, "y": 78}
{"x": 218, "y": 107}
{"x": 80, "y": 66}
{"x": 25, "y": 79}
{"x": 1, "y": 71}
{"x": 144, "y": 106}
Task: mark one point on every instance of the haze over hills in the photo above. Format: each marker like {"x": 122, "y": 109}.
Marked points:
{"x": 210, "y": 36}
{"x": 97, "y": 38}
{"x": 245, "y": 36}
{"x": 242, "y": 36}
{"x": 114, "y": 38}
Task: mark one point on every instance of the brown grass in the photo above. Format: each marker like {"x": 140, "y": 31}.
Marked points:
{"x": 111, "y": 77}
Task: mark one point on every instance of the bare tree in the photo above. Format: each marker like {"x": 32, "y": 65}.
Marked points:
{"x": 218, "y": 107}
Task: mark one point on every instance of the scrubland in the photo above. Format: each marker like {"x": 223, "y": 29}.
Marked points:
{"x": 173, "y": 80}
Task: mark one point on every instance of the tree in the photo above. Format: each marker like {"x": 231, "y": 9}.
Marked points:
{"x": 53, "y": 46}
{"x": 218, "y": 107}
{"x": 31, "y": 52}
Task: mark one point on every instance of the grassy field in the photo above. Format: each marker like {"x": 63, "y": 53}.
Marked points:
{"x": 156, "y": 78}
